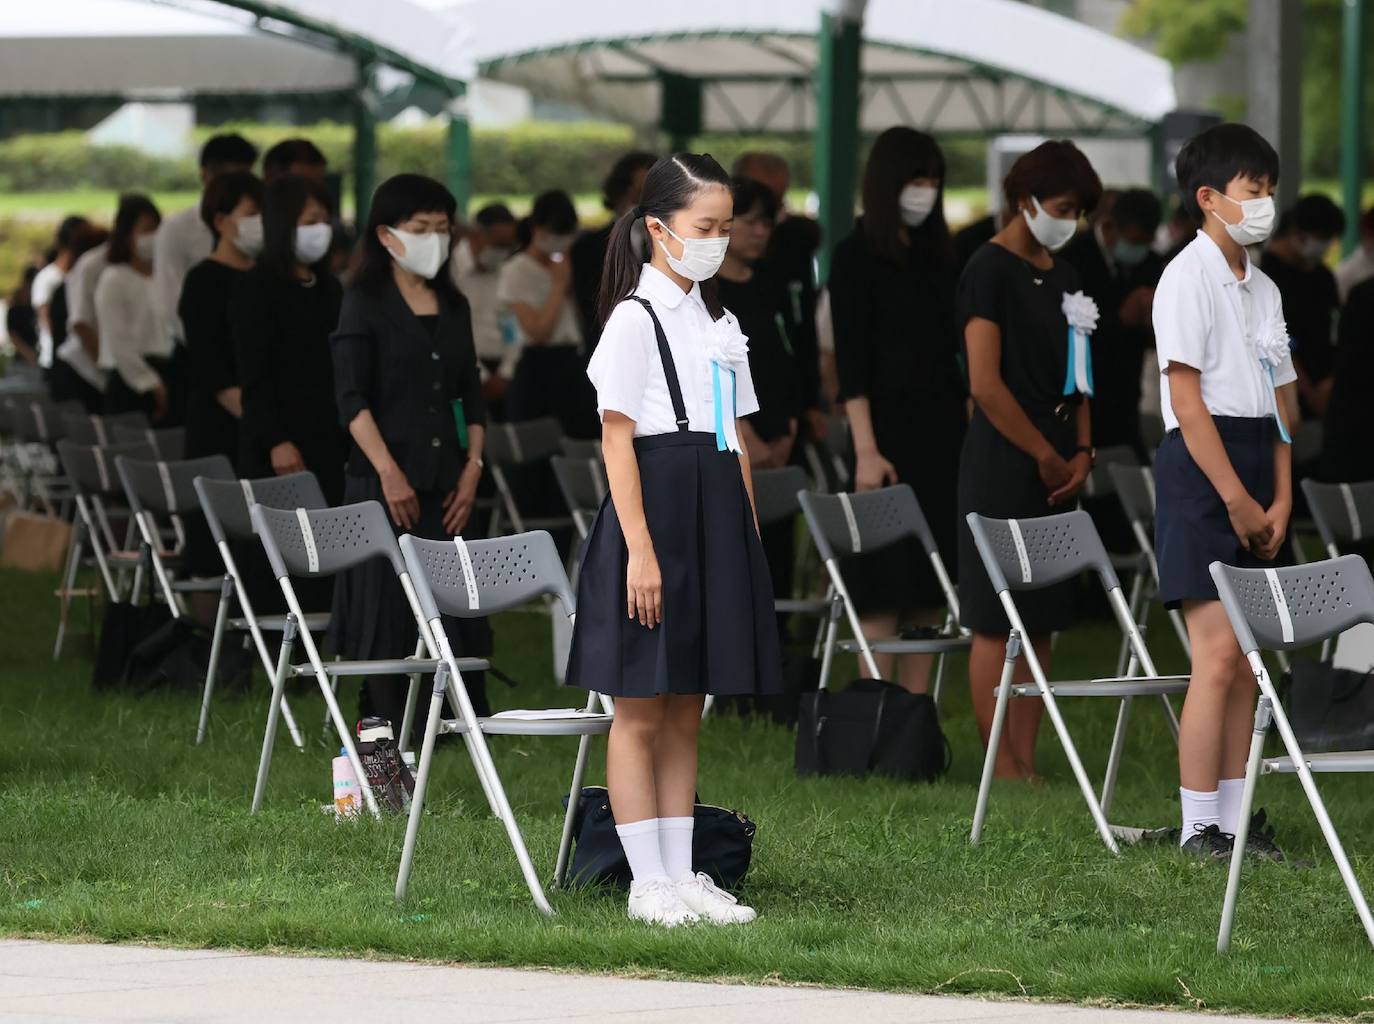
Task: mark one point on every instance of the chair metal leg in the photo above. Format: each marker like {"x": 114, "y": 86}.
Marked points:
{"x": 1263, "y": 715}
{"x": 288, "y": 643}
{"x": 999, "y": 717}
{"x": 939, "y": 679}
{"x": 412, "y": 697}
{"x": 216, "y": 646}
{"x": 1134, "y": 604}
{"x": 1123, "y": 717}
{"x": 68, "y": 585}
{"x": 417, "y": 799}
{"x": 560, "y": 870}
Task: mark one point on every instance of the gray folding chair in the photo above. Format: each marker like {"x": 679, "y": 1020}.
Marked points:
{"x": 776, "y": 501}
{"x": 509, "y": 445}
{"x": 1135, "y": 489}
{"x": 1029, "y": 555}
{"x": 1342, "y": 513}
{"x": 1284, "y": 610}
{"x": 576, "y": 448}
{"x": 38, "y": 426}
{"x": 312, "y": 543}
{"x": 84, "y": 428}
{"x": 583, "y": 484}
{"x": 847, "y": 524}
{"x": 468, "y": 580}
{"x": 157, "y": 488}
{"x": 168, "y": 443}
{"x": 829, "y": 458}
{"x": 225, "y": 506}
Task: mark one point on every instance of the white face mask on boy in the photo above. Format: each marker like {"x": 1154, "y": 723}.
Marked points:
{"x": 1256, "y": 219}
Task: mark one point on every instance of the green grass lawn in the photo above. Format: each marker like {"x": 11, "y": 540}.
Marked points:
{"x": 114, "y": 825}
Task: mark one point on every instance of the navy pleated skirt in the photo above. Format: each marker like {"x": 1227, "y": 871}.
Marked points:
{"x": 719, "y": 633}
{"x": 1192, "y": 526}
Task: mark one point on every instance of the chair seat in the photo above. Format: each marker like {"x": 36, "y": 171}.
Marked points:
{"x": 200, "y": 586}
{"x": 1335, "y": 761}
{"x": 574, "y": 725}
{"x": 802, "y": 606}
{"x": 314, "y": 621}
{"x": 896, "y": 645}
{"x": 380, "y": 667}
{"x": 1139, "y": 686}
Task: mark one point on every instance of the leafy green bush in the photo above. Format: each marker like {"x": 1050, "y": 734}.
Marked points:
{"x": 65, "y": 160}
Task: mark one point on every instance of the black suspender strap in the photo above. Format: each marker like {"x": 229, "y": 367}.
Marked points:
{"x": 665, "y": 356}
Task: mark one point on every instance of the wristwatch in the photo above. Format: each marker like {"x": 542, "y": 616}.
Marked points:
{"x": 480, "y": 463}
{"x": 1089, "y": 451}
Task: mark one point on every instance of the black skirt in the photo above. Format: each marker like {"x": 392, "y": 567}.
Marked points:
{"x": 718, "y": 634}
{"x": 1192, "y": 526}
{"x": 999, "y": 480}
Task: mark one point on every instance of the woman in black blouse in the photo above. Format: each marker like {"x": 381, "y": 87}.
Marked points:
{"x": 281, "y": 320}
{"x": 1029, "y": 445}
{"x": 896, "y": 350}
{"x": 410, "y": 394}
{"x": 230, "y": 208}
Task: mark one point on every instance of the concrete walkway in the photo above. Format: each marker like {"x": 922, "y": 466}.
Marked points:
{"x": 49, "y": 982}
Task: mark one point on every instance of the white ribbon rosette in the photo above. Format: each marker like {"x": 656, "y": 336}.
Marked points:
{"x": 1082, "y": 314}
{"x": 727, "y": 350}
{"x": 1272, "y": 348}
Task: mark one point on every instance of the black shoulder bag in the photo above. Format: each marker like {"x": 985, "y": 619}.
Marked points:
{"x": 873, "y": 726}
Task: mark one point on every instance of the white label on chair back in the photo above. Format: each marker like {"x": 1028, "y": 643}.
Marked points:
{"x": 100, "y": 437}
{"x": 40, "y": 421}
{"x": 855, "y": 541}
{"x": 598, "y": 479}
{"x": 312, "y": 554}
{"x": 168, "y": 495}
{"x": 247, "y": 488}
{"x": 1280, "y": 605}
{"x": 469, "y": 577}
{"x": 1021, "y": 555}
{"x": 513, "y": 436}
{"x": 1351, "y": 512}
{"x": 102, "y": 470}
{"x": 1149, "y": 478}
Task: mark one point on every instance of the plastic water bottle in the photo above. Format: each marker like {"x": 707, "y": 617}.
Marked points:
{"x": 348, "y": 800}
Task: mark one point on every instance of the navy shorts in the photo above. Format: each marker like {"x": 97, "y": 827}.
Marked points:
{"x": 1192, "y": 527}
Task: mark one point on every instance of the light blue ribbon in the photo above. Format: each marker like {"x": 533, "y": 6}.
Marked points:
{"x": 1274, "y": 397}
{"x": 1076, "y": 339}
{"x": 721, "y": 444}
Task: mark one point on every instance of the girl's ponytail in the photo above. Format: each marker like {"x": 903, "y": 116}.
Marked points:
{"x": 620, "y": 274}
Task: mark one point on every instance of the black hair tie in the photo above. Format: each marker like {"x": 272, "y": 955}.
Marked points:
{"x": 636, "y": 212}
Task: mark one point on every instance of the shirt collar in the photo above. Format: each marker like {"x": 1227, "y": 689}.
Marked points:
{"x": 659, "y": 289}
{"x": 1215, "y": 261}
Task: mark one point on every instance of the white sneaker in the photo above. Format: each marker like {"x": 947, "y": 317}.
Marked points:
{"x": 712, "y": 902}
{"x": 657, "y": 901}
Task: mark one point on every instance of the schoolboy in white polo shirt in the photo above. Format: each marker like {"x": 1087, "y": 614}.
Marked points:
{"x": 1223, "y": 472}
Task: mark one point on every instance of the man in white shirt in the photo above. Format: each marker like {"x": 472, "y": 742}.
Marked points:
{"x": 183, "y": 240}
{"x": 48, "y": 281}
{"x": 476, "y": 270}
{"x": 1358, "y": 267}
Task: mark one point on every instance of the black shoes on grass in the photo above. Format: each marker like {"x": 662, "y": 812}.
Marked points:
{"x": 1211, "y": 843}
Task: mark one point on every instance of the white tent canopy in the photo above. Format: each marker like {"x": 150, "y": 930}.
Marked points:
{"x": 144, "y": 48}
{"x": 967, "y": 67}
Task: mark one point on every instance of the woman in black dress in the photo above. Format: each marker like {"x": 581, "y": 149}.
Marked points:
{"x": 282, "y": 317}
{"x": 896, "y": 350}
{"x": 230, "y": 208}
{"x": 1029, "y": 445}
{"x": 762, "y": 304}
{"x": 410, "y": 393}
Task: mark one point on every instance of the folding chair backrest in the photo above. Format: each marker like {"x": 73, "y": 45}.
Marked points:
{"x": 168, "y": 444}
{"x": 1283, "y": 609}
{"x": 324, "y": 542}
{"x": 39, "y": 421}
{"x": 1344, "y": 513}
{"x": 582, "y": 481}
{"x": 574, "y": 448}
{"x": 91, "y": 468}
{"x": 168, "y": 488}
{"x": 497, "y": 575}
{"x": 515, "y": 444}
{"x": 1029, "y": 554}
{"x": 775, "y": 493}
{"x": 1100, "y": 482}
{"x": 1135, "y": 489}
{"x": 846, "y": 524}
{"x": 225, "y": 503}
{"x": 85, "y": 429}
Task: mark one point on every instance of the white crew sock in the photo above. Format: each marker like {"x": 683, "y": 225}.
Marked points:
{"x": 640, "y": 840}
{"x": 1199, "y": 811}
{"x": 675, "y": 840}
{"x": 1228, "y": 801}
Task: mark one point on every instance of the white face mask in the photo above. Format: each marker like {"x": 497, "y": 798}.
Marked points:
{"x": 1051, "y": 232}
{"x": 701, "y": 257}
{"x": 312, "y": 242}
{"x": 1313, "y": 249}
{"x": 1256, "y": 219}
{"x": 916, "y": 202}
{"x": 425, "y": 253}
{"x": 551, "y": 244}
{"x": 248, "y": 239}
{"x": 144, "y": 246}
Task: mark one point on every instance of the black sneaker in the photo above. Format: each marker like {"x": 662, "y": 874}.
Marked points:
{"x": 387, "y": 773}
{"x": 1209, "y": 843}
{"x": 1260, "y": 845}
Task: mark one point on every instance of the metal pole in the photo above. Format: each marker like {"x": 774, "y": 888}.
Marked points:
{"x": 364, "y": 143}
{"x": 1274, "y": 47}
{"x": 1352, "y": 117}
{"x": 837, "y": 123}
{"x": 458, "y": 156}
